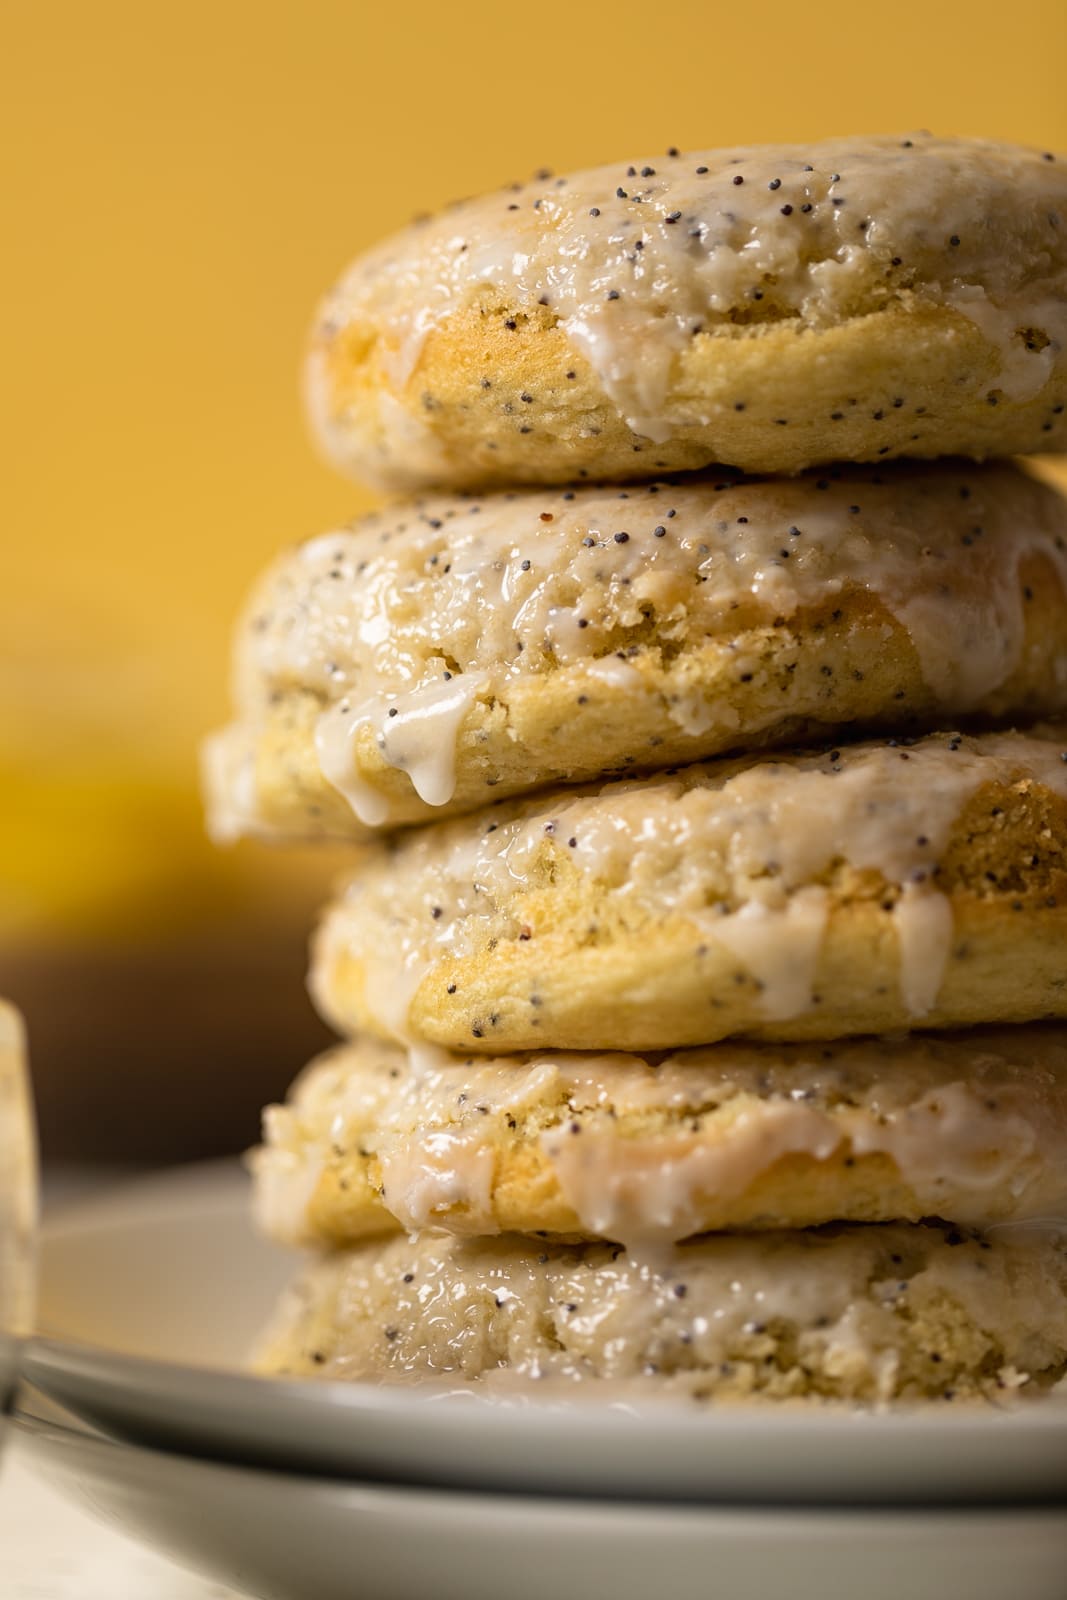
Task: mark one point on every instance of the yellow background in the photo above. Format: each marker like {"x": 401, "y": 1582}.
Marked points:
{"x": 180, "y": 182}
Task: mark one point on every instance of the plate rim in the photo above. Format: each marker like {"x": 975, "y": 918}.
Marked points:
{"x": 121, "y": 1392}
{"x": 55, "y": 1433}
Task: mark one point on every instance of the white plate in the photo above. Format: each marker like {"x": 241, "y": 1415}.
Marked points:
{"x": 165, "y": 1285}
{"x": 281, "y": 1537}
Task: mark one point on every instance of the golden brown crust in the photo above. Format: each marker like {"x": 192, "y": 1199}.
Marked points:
{"x": 943, "y": 368}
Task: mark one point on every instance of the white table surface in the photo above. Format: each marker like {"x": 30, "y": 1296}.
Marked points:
{"x": 52, "y": 1550}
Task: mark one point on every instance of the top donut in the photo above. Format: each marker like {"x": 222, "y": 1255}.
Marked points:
{"x": 770, "y": 307}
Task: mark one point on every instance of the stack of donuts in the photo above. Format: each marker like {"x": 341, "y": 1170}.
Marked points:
{"x": 698, "y": 723}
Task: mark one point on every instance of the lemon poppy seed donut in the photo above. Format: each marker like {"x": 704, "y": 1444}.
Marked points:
{"x": 969, "y": 1127}
{"x": 771, "y": 307}
{"x": 867, "y": 1314}
{"x": 449, "y": 652}
{"x": 851, "y": 890}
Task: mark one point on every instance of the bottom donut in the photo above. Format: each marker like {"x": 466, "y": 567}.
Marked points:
{"x": 864, "y": 1313}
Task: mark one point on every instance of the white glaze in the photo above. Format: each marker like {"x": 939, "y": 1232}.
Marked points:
{"x": 422, "y": 738}
{"x": 335, "y": 732}
{"x": 924, "y": 936}
{"x": 440, "y": 1172}
{"x": 615, "y": 673}
{"x": 641, "y": 1189}
{"x": 416, "y": 732}
{"x": 779, "y": 945}
{"x": 1023, "y": 372}
{"x": 953, "y": 1135}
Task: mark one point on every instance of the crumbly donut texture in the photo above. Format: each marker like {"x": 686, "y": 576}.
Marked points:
{"x": 868, "y": 1314}
{"x": 771, "y": 307}
{"x": 968, "y": 1127}
{"x": 445, "y": 653}
{"x": 860, "y": 889}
